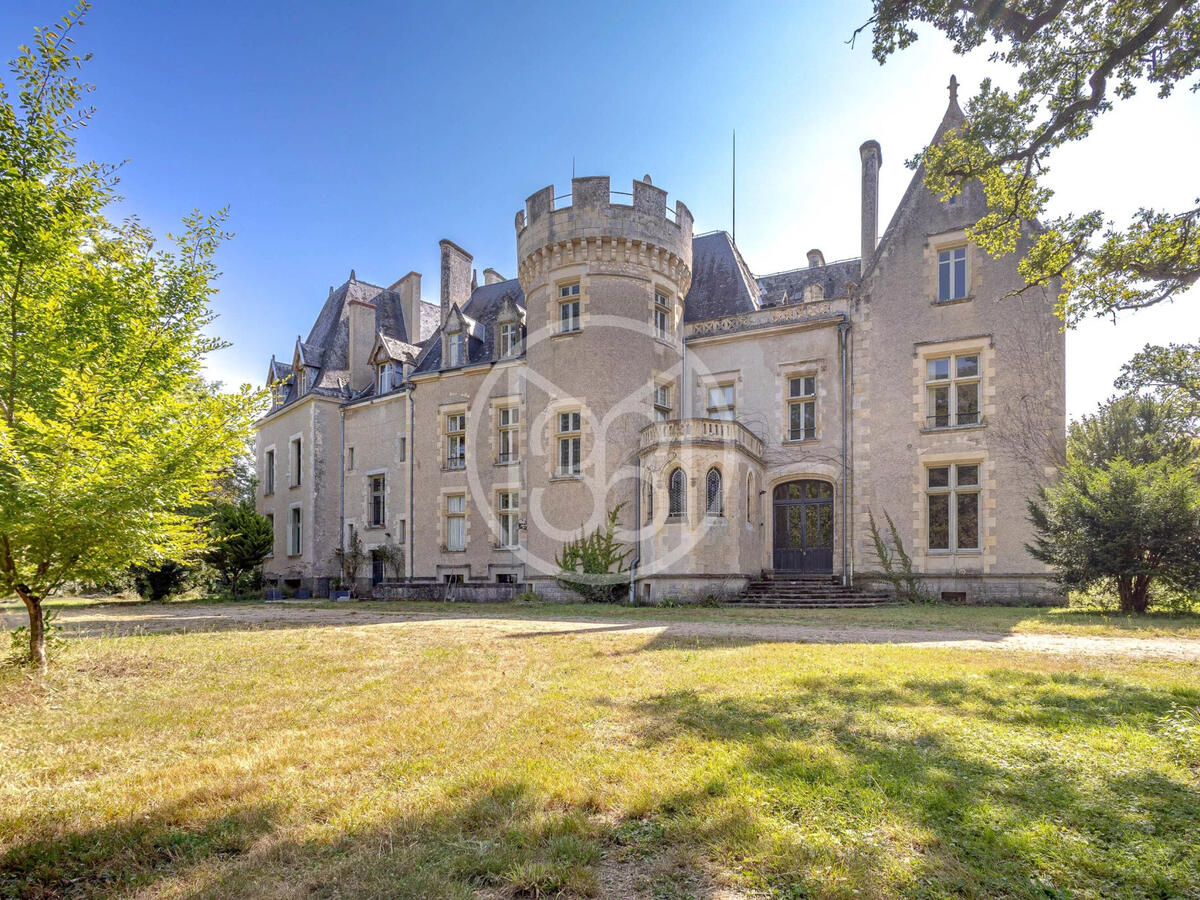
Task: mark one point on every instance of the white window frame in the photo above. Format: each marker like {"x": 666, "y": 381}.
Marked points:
{"x": 456, "y": 520}
{"x": 570, "y": 444}
{"x": 456, "y": 349}
{"x": 950, "y": 383}
{"x": 569, "y": 308}
{"x": 269, "y": 471}
{"x": 724, "y": 408}
{"x": 510, "y": 339}
{"x": 508, "y": 505}
{"x": 662, "y": 403}
{"x": 296, "y": 461}
{"x": 952, "y": 491}
{"x": 456, "y": 440}
{"x": 662, "y": 316}
{"x": 953, "y": 260}
{"x": 508, "y": 434}
{"x": 806, "y": 401}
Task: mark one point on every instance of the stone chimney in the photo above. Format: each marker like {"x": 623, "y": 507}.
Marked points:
{"x": 872, "y": 158}
{"x": 409, "y": 288}
{"x": 491, "y": 276}
{"x": 456, "y": 276}
{"x": 815, "y": 258}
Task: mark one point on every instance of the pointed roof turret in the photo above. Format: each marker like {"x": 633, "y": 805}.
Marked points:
{"x": 954, "y": 117}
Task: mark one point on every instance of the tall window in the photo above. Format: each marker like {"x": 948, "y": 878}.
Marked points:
{"x": 662, "y": 315}
{"x": 952, "y": 501}
{"x": 677, "y": 494}
{"x": 568, "y": 308}
{"x": 509, "y": 504}
{"x": 269, "y": 473}
{"x": 271, "y": 521}
{"x": 389, "y": 377}
{"x": 952, "y": 274}
{"x": 378, "y": 501}
{"x": 349, "y": 459}
{"x": 456, "y": 441}
{"x": 662, "y": 402}
{"x": 294, "y": 533}
{"x": 952, "y": 391}
{"x": 570, "y": 444}
{"x": 720, "y": 402}
{"x": 510, "y": 339}
{"x": 751, "y": 497}
{"x": 456, "y": 521}
{"x": 714, "y": 496}
{"x": 802, "y": 408}
{"x": 508, "y": 443}
{"x": 456, "y": 349}
{"x": 297, "y": 460}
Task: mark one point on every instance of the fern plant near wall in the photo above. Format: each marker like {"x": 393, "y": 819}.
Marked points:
{"x": 896, "y": 564}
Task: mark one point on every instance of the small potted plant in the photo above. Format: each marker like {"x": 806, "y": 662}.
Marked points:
{"x": 338, "y": 590}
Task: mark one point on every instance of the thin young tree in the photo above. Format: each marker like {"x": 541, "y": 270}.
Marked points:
{"x": 108, "y": 432}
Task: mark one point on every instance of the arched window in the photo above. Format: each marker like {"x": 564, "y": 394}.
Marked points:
{"x": 677, "y": 494}
{"x": 714, "y": 496}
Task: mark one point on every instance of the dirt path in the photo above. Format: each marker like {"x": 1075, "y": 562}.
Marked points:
{"x": 100, "y": 620}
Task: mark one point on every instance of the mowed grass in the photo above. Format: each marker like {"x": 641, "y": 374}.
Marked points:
{"x": 446, "y": 760}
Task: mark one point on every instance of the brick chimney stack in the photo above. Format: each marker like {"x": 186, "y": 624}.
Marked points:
{"x": 410, "y": 302}
{"x": 491, "y": 276}
{"x": 872, "y": 158}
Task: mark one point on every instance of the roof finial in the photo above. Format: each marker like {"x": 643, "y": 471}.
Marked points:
{"x": 352, "y": 276}
{"x": 953, "y": 89}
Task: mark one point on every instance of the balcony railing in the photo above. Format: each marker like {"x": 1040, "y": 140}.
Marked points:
{"x": 716, "y": 431}
{"x": 957, "y": 420}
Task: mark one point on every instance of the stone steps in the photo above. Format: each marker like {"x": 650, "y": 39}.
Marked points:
{"x": 807, "y": 592}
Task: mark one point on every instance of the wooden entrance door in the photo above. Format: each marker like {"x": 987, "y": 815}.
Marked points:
{"x": 803, "y": 533}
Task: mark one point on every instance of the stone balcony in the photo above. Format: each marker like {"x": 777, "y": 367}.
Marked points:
{"x": 714, "y": 432}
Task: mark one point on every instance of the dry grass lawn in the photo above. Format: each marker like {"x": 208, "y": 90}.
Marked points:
{"x": 422, "y": 760}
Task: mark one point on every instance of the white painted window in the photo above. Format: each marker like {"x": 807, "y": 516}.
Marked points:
{"x": 568, "y": 308}
{"x": 952, "y": 391}
{"x": 662, "y": 315}
{"x": 510, "y": 339}
{"x": 952, "y": 506}
{"x": 389, "y": 377}
{"x": 456, "y": 349}
{"x": 802, "y": 408}
{"x": 662, "y": 402}
{"x": 269, "y": 473}
{"x": 509, "y": 516}
{"x": 456, "y": 441}
{"x": 508, "y": 438}
{"x": 952, "y": 274}
{"x": 720, "y": 402}
{"x": 456, "y": 522}
{"x": 570, "y": 444}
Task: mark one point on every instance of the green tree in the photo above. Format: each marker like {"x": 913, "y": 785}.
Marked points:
{"x": 108, "y": 433}
{"x": 1140, "y": 429}
{"x": 240, "y": 540}
{"x": 352, "y": 558}
{"x": 1170, "y": 373}
{"x": 1121, "y": 525}
{"x": 1074, "y": 60}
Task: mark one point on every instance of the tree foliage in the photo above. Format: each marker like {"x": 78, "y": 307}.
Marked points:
{"x": 593, "y": 565}
{"x": 158, "y": 581}
{"x": 240, "y": 539}
{"x": 1074, "y": 60}
{"x": 1121, "y": 525}
{"x": 1170, "y": 373}
{"x": 108, "y": 433}
{"x": 1139, "y": 429}
{"x": 352, "y": 558}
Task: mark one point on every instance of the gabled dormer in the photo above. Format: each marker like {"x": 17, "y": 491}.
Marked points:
{"x": 279, "y": 378}
{"x": 391, "y": 360}
{"x": 510, "y": 329}
{"x": 456, "y": 338}
{"x": 306, "y": 367}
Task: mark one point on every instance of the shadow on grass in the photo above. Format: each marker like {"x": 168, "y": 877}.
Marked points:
{"x": 848, "y": 788}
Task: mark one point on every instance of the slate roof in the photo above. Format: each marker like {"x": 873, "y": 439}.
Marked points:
{"x": 721, "y": 281}
{"x": 480, "y": 316}
{"x": 327, "y": 347}
{"x": 788, "y": 287}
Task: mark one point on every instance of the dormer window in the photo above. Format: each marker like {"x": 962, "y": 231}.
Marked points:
{"x": 456, "y": 349}
{"x": 389, "y": 377}
{"x": 510, "y": 339}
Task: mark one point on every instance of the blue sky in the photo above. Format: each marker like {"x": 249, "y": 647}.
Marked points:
{"x": 357, "y": 134}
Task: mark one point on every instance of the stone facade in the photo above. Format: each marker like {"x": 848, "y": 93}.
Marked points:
{"x": 743, "y": 425}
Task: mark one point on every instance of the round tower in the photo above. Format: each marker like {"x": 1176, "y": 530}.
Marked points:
{"x": 604, "y": 274}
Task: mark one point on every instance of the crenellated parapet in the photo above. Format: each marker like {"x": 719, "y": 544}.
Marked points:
{"x": 594, "y": 225}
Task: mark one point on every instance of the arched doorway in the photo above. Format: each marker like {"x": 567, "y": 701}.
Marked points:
{"x": 803, "y": 517}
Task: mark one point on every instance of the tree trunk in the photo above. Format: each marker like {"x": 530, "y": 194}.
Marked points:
{"x": 37, "y": 629}
{"x": 1134, "y": 592}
